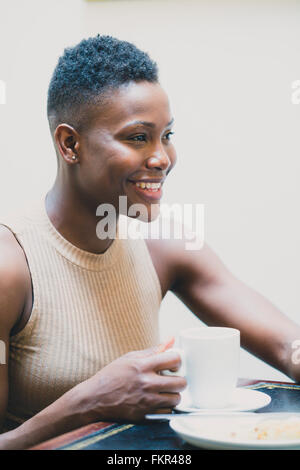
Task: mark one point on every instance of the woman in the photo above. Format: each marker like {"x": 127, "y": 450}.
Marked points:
{"x": 74, "y": 303}
{"x": 80, "y": 311}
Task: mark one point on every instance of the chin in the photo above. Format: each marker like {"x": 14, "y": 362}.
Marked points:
{"x": 154, "y": 212}
{"x": 143, "y": 212}
{"x": 151, "y": 214}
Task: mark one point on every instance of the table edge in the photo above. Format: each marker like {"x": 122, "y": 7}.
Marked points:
{"x": 79, "y": 433}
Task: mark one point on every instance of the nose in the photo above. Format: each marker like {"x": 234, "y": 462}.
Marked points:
{"x": 159, "y": 159}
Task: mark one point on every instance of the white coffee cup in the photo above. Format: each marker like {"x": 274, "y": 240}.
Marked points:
{"x": 210, "y": 364}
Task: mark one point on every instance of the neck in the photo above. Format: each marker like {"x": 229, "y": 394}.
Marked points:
{"x": 75, "y": 218}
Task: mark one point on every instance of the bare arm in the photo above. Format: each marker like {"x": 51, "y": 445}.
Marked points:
{"x": 218, "y": 298}
{"x": 12, "y": 300}
{"x": 204, "y": 284}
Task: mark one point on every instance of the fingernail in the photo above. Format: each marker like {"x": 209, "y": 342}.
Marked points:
{"x": 166, "y": 344}
{"x": 170, "y": 340}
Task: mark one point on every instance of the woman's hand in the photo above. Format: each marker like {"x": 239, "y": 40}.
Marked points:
{"x": 125, "y": 390}
{"x": 131, "y": 386}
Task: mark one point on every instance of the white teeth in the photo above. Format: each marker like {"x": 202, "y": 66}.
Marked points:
{"x": 152, "y": 186}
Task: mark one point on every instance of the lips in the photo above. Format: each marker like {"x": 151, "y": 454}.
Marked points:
{"x": 147, "y": 180}
{"x": 148, "y": 190}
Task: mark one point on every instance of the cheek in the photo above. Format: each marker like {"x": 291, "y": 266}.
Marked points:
{"x": 107, "y": 159}
{"x": 122, "y": 162}
{"x": 172, "y": 155}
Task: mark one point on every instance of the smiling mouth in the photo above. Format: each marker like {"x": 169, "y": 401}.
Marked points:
{"x": 148, "y": 190}
{"x": 147, "y": 186}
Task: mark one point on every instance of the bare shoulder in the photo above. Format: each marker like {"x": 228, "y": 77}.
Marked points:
{"x": 162, "y": 261}
{"x": 171, "y": 260}
{"x": 177, "y": 262}
{"x": 14, "y": 279}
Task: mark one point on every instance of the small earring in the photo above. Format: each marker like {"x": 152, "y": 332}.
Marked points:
{"x": 74, "y": 157}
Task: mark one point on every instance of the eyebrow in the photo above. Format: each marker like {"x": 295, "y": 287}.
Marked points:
{"x": 147, "y": 124}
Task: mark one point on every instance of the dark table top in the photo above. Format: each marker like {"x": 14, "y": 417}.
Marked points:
{"x": 158, "y": 435}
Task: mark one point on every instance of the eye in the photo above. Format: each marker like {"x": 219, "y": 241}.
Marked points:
{"x": 168, "y": 135}
{"x": 138, "y": 138}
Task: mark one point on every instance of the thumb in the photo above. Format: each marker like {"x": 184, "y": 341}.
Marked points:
{"x": 162, "y": 347}
{"x": 167, "y": 344}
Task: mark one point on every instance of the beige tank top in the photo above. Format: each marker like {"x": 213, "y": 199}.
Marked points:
{"x": 88, "y": 310}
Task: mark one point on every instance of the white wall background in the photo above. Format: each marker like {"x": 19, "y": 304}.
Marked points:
{"x": 228, "y": 67}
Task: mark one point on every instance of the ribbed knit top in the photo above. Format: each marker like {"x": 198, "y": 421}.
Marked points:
{"x": 88, "y": 310}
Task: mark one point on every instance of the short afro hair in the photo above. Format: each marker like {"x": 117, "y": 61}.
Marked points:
{"x": 88, "y": 70}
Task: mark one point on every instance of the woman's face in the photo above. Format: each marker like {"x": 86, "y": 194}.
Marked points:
{"x": 127, "y": 149}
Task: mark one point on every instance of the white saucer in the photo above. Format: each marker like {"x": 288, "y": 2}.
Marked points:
{"x": 238, "y": 430}
{"x": 243, "y": 399}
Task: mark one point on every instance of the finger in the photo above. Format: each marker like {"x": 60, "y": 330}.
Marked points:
{"x": 166, "y": 344}
{"x": 172, "y": 384}
{"x": 155, "y": 349}
{"x": 169, "y": 400}
{"x": 162, "y": 361}
{"x": 175, "y": 369}
{"x": 163, "y": 411}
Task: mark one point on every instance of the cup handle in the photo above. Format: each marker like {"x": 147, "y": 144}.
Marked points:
{"x": 181, "y": 372}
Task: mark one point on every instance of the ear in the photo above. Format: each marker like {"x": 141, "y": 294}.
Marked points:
{"x": 68, "y": 143}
